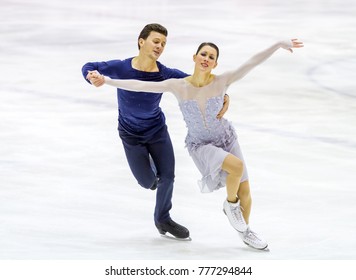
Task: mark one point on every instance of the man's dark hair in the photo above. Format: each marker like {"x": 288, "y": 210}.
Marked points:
{"x": 149, "y": 28}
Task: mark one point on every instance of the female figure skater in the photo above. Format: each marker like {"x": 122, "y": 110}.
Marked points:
{"x": 212, "y": 142}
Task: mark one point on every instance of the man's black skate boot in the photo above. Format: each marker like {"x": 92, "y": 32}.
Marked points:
{"x": 178, "y": 231}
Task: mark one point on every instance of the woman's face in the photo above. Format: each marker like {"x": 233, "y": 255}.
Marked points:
{"x": 206, "y": 58}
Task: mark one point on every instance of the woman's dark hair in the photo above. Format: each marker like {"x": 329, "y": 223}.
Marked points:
{"x": 210, "y": 45}
{"x": 155, "y": 27}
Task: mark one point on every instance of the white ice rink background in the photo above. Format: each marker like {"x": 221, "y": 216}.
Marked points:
{"x": 66, "y": 191}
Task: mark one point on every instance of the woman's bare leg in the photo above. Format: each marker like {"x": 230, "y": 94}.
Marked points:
{"x": 232, "y": 208}
{"x": 234, "y": 168}
{"x": 244, "y": 195}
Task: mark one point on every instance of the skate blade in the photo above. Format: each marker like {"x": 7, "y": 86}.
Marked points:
{"x": 171, "y": 237}
{"x": 259, "y": 249}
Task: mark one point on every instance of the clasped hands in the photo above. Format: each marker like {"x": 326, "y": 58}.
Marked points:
{"x": 95, "y": 78}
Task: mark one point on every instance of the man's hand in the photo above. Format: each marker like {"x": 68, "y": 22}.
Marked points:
{"x": 95, "y": 78}
{"x": 225, "y": 107}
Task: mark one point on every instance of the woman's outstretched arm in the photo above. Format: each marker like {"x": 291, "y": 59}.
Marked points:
{"x": 233, "y": 76}
{"x": 135, "y": 85}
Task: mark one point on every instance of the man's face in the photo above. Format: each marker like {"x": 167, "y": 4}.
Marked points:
{"x": 154, "y": 45}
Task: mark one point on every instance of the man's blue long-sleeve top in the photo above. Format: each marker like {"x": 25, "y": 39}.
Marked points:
{"x": 139, "y": 112}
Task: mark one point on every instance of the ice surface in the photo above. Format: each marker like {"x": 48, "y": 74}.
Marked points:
{"x": 66, "y": 191}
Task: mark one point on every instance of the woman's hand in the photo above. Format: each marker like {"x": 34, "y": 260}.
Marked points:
{"x": 289, "y": 45}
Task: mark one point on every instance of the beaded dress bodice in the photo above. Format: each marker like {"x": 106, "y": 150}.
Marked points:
{"x": 204, "y": 127}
